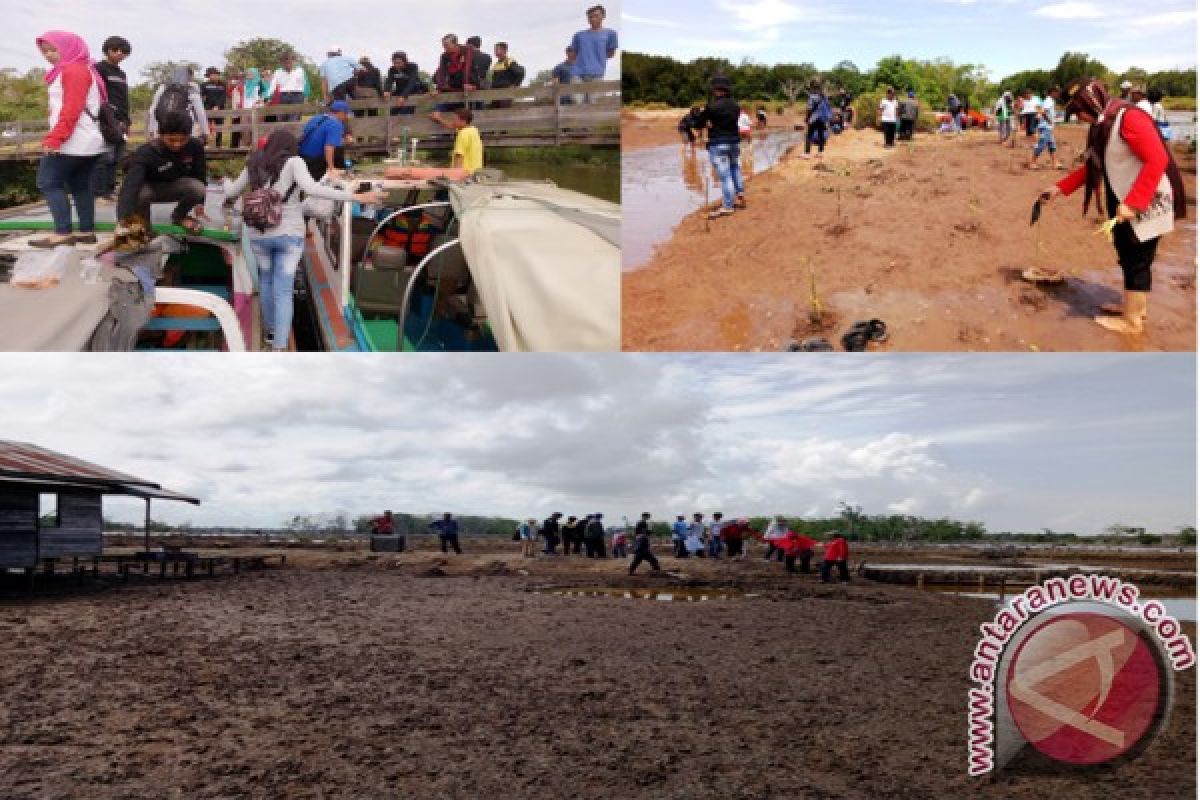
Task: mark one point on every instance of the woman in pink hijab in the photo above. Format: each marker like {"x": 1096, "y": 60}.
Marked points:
{"x": 74, "y": 144}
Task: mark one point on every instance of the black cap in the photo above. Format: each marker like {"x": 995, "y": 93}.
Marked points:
{"x": 720, "y": 82}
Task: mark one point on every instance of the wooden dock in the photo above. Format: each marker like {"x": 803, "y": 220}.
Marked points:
{"x": 990, "y": 576}
{"x": 534, "y": 116}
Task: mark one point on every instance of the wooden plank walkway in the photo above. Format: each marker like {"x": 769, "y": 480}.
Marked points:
{"x": 535, "y": 116}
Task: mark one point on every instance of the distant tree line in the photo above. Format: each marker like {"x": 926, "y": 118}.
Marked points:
{"x": 647, "y": 79}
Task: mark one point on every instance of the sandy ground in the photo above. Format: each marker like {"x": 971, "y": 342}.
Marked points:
{"x": 930, "y": 238}
{"x": 417, "y": 676}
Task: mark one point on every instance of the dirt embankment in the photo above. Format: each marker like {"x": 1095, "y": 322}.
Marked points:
{"x": 349, "y": 675}
{"x": 641, "y": 129}
{"x": 929, "y": 237}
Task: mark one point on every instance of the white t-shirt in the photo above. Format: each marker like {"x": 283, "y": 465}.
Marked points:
{"x": 1048, "y": 110}
{"x": 1146, "y": 106}
{"x": 287, "y": 81}
{"x": 887, "y": 110}
{"x": 85, "y": 139}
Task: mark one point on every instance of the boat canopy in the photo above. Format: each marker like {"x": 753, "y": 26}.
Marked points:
{"x": 546, "y": 262}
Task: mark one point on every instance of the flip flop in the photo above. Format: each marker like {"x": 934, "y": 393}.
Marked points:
{"x": 1037, "y": 275}
{"x": 813, "y": 345}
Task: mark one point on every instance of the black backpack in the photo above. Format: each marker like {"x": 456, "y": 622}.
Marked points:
{"x": 175, "y": 98}
{"x": 111, "y": 128}
{"x": 518, "y": 74}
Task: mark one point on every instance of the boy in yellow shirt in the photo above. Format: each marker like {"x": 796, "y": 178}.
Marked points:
{"x": 468, "y": 147}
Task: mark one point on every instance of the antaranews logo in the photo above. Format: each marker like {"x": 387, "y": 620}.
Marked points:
{"x": 1077, "y": 668}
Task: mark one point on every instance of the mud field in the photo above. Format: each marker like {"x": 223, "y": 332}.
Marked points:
{"x": 416, "y": 676}
{"x": 931, "y": 238}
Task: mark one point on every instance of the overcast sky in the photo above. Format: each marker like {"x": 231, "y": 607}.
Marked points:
{"x": 537, "y": 31}
{"x": 1006, "y": 36}
{"x": 1020, "y": 442}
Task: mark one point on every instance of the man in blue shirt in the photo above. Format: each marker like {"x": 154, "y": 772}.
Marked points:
{"x": 321, "y": 143}
{"x": 447, "y": 528}
{"x": 337, "y": 75}
{"x": 593, "y": 47}
{"x": 679, "y": 532}
{"x": 563, "y": 74}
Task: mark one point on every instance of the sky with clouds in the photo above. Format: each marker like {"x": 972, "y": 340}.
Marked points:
{"x": 1006, "y": 36}
{"x": 537, "y": 31}
{"x": 1019, "y": 442}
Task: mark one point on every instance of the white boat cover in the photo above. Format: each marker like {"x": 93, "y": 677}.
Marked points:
{"x": 546, "y": 262}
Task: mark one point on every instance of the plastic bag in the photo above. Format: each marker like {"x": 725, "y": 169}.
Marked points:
{"x": 44, "y": 269}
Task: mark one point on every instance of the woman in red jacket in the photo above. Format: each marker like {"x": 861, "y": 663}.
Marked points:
{"x": 73, "y": 146}
{"x": 1128, "y": 164}
{"x": 837, "y": 554}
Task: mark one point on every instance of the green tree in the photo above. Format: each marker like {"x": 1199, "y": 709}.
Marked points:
{"x": 1074, "y": 66}
{"x": 262, "y": 53}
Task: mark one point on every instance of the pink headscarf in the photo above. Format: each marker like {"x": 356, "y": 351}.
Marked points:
{"x": 72, "y": 50}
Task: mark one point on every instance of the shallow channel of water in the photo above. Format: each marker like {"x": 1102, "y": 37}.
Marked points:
{"x": 662, "y": 185}
{"x": 661, "y": 595}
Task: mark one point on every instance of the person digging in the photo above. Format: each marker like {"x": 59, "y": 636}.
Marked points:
{"x": 1128, "y": 164}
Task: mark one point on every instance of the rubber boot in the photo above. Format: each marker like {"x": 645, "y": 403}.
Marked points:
{"x": 1134, "y": 318}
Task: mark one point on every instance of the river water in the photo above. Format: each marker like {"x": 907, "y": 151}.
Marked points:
{"x": 662, "y": 185}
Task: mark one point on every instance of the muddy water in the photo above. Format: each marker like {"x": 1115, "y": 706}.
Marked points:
{"x": 662, "y": 185}
{"x": 661, "y": 595}
{"x": 597, "y": 181}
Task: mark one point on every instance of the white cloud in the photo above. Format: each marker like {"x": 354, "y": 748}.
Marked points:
{"x": 1070, "y": 10}
{"x": 660, "y": 23}
{"x": 260, "y": 441}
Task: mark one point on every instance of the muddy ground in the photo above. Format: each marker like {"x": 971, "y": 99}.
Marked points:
{"x": 930, "y": 238}
{"x": 417, "y": 676}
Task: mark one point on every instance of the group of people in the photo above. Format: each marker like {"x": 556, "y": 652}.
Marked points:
{"x": 588, "y": 536}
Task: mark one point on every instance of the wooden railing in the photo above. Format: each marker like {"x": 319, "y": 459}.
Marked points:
{"x": 535, "y": 116}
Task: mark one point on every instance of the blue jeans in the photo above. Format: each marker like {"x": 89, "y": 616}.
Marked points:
{"x": 1045, "y": 141}
{"x": 725, "y": 158}
{"x": 714, "y": 548}
{"x": 59, "y": 174}
{"x": 277, "y": 257}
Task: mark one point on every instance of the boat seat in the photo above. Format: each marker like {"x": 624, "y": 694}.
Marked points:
{"x": 381, "y": 291}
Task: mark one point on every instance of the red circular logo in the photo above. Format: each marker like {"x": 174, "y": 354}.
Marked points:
{"x": 1084, "y": 688}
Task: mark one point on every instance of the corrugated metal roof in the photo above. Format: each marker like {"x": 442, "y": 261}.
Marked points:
{"x": 21, "y": 462}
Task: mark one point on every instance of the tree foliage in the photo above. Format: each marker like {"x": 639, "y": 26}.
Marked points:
{"x": 660, "y": 79}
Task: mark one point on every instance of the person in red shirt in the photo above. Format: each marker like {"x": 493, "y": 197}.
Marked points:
{"x": 1128, "y": 164}
{"x": 797, "y": 545}
{"x": 837, "y": 554}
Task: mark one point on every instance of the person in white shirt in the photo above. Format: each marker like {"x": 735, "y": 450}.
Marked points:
{"x": 291, "y": 82}
{"x": 887, "y": 117}
{"x": 714, "y": 535}
{"x": 695, "y": 538}
{"x": 1138, "y": 95}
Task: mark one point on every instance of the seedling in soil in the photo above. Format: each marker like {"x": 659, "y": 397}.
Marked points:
{"x": 816, "y": 311}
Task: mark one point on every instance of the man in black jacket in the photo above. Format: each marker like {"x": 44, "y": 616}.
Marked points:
{"x": 215, "y": 94}
{"x": 116, "y": 49}
{"x": 403, "y": 81}
{"x": 572, "y": 535}
{"x": 594, "y": 533}
{"x": 641, "y": 545}
{"x": 171, "y": 168}
{"x": 720, "y": 116}
{"x": 550, "y": 533}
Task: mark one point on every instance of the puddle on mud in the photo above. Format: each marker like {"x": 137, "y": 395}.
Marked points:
{"x": 661, "y": 185}
{"x": 661, "y": 595}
